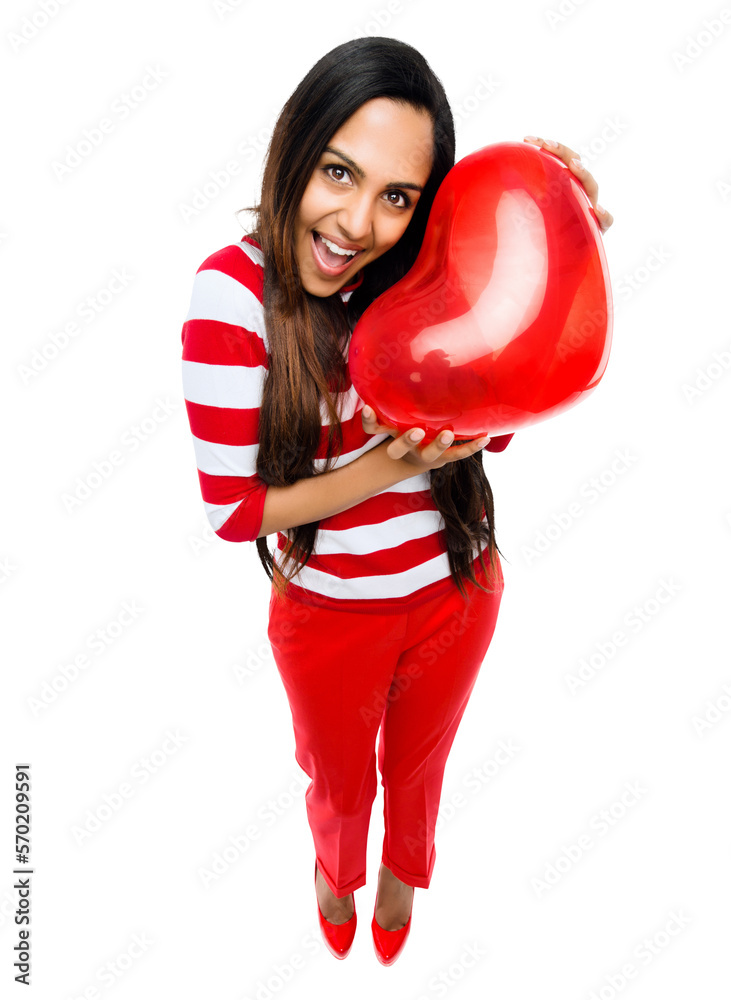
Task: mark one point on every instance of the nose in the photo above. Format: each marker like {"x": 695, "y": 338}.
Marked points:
{"x": 356, "y": 218}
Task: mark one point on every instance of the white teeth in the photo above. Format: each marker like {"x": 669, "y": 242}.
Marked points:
{"x": 336, "y": 249}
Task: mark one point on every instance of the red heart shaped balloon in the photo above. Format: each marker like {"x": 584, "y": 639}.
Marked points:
{"x": 505, "y": 318}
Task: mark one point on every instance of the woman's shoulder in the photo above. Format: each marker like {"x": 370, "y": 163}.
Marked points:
{"x": 243, "y": 262}
{"x": 226, "y": 311}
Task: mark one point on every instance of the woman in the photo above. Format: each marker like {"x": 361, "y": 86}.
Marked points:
{"x": 382, "y": 604}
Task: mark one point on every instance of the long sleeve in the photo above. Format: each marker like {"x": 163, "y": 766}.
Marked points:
{"x": 498, "y": 443}
{"x": 224, "y": 364}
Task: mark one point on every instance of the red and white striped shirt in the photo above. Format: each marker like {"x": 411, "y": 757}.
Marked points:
{"x": 387, "y": 553}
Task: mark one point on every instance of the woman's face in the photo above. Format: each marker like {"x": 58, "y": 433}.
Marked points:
{"x": 363, "y": 196}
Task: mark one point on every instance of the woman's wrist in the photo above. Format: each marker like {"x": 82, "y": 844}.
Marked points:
{"x": 396, "y": 470}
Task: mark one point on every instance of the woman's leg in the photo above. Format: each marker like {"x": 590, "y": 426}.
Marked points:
{"x": 433, "y": 680}
{"x": 336, "y": 668}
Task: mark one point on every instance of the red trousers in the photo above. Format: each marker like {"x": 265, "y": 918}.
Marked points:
{"x": 347, "y": 673}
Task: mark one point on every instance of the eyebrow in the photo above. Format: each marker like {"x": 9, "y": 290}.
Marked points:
{"x": 361, "y": 172}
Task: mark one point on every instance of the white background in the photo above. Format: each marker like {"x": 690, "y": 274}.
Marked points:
{"x": 605, "y": 79}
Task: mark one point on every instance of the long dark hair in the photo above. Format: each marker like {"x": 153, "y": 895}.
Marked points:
{"x": 304, "y": 331}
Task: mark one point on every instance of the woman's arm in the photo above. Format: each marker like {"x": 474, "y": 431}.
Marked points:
{"x": 223, "y": 367}
{"x": 331, "y": 492}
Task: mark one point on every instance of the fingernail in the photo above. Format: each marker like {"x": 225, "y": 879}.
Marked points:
{"x": 530, "y": 138}
{"x": 577, "y": 163}
{"x": 367, "y": 412}
{"x": 446, "y": 438}
{"x": 600, "y": 210}
{"x": 416, "y": 435}
{"x": 551, "y": 142}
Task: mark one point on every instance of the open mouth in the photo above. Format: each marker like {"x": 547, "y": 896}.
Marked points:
{"x": 330, "y": 262}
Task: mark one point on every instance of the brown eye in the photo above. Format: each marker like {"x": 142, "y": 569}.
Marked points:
{"x": 400, "y": 194}
{"x": 334, "y": 166}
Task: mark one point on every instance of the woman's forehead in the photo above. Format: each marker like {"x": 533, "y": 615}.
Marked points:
{"x": 386, "y": 136}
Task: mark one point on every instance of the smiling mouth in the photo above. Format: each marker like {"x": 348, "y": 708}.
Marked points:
{"x": 328, "y": 261}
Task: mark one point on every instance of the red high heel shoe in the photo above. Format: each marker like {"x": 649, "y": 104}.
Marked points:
{"x": 337, "y": 937}
{"x": 389, "y": 944}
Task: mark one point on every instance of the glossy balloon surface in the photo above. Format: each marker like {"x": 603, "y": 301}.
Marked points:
{"x": 505, "y": 318}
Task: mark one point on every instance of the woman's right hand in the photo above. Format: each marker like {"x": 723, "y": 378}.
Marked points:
{"x": 433, "y": 456}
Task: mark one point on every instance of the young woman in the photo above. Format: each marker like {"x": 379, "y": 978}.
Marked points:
{"x": 386, "y": 579}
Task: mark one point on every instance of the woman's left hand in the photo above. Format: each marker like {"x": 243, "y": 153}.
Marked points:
{"x": 604, "y": 218}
